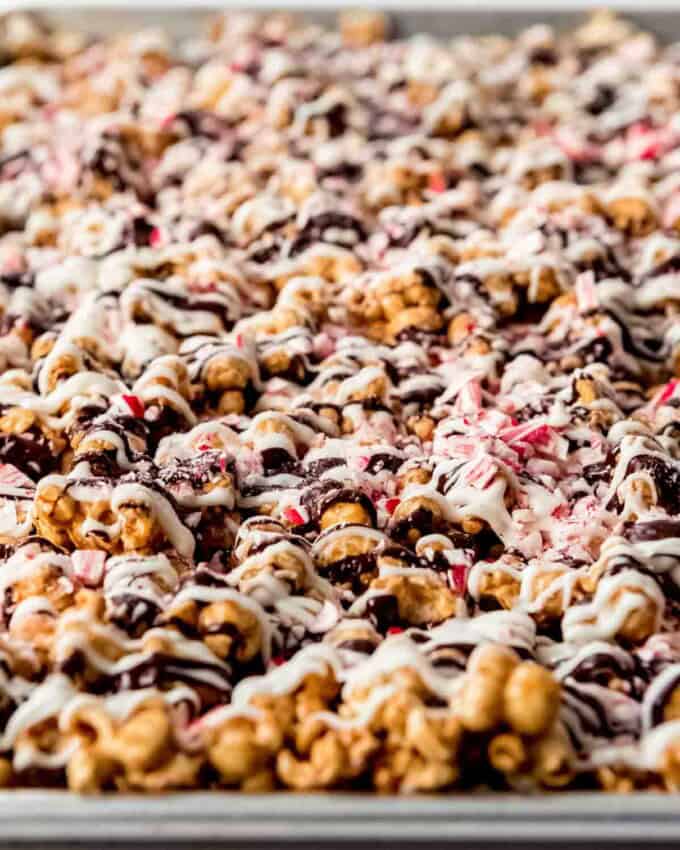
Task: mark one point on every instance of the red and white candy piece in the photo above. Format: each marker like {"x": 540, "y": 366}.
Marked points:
{"x": 135, "y": 405}
{"x": 88, "y": 566}
{"x": 586, "y": 292}
{"x": 12, "y": 477}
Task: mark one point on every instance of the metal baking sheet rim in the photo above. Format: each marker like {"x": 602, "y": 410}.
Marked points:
{"x": 573, "y": 818}
{"x": 54, "y": 817}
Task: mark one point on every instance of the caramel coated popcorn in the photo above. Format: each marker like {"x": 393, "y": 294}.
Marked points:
{"x": 339, "y": 409}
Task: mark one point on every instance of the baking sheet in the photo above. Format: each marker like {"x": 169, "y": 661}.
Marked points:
{"x": 53, "y": 819}
{"x": 318, "y": 820}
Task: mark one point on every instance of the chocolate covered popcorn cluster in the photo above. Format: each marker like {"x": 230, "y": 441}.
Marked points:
{"x": 339, "y": 409}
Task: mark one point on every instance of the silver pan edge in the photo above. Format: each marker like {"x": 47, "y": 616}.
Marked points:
{"x": 231, "y": 819}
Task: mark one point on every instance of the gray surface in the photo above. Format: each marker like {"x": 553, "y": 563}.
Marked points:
{"x": 59, "y": 819}
{"x": 183, "y": 21}
{"x": 330, "y": 820}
